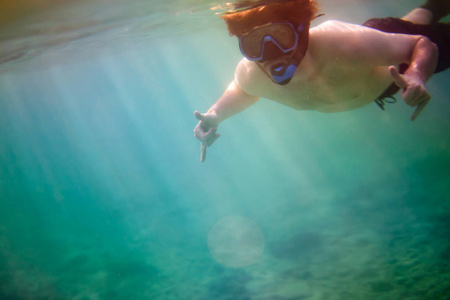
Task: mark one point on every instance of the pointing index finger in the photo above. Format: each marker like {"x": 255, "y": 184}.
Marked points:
{"x": 203, "y": 152}
{"x": 419, "y": 109}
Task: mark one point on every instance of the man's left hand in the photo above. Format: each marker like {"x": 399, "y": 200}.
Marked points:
{"x": 414, "y": 92}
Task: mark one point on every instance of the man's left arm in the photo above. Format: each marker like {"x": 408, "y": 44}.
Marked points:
{"x": 421, "y": 68}
{"x": 380, "y": 48}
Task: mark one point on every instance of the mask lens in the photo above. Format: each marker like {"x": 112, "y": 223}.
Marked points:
{"x": 282, "y": 35}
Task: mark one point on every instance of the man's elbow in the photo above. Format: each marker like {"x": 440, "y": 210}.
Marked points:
{"x": 425, "y": 55}
{"x": 427, "y": 47}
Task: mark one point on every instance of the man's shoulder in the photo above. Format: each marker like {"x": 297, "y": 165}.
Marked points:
{"x": 250, "y": 77}
{"x": 332, "y": 23}
{"x": 343, "y": 36}
{"x": 335, "y": 26}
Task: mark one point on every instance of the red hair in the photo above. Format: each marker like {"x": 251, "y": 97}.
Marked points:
{"x": 294, "y": 11}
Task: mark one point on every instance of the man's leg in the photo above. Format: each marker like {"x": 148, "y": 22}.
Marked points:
{"x": 419, "y": 16}
{"x": 429, "y": 13}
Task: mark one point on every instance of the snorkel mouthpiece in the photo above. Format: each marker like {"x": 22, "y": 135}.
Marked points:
{"x": 282, "y": 74}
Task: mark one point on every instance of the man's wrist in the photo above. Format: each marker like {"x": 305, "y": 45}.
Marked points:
{"x": 417, "y": 74}
{"x": 213, "y": 111}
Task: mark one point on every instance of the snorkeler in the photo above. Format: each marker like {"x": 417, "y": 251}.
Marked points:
{"x": 333, "y": 67}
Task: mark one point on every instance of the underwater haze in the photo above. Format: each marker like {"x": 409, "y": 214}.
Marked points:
{"x": 103, "y": 196}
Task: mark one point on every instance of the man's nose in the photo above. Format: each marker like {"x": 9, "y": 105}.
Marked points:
{"x": 271, "y": 51}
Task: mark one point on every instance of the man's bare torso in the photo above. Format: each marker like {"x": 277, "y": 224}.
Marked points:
{"x": 343, "y": 69}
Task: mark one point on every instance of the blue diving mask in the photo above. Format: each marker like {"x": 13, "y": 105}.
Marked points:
{"x": 282, "y": 35}
{"x": 270, "y": 41}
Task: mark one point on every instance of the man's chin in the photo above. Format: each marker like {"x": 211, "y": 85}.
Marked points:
{"x": 279, "y": 71}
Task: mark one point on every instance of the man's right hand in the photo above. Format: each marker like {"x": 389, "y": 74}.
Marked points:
{"x": 206, "y": 130}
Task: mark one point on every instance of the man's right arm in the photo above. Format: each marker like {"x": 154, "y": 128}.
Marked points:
{"x": 233, "y": 101}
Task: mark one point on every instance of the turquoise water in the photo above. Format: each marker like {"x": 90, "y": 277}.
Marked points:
{"x": 103, "y": 195}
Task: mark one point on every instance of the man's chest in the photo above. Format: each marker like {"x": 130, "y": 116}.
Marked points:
{"x": 333, "y": 89}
